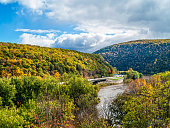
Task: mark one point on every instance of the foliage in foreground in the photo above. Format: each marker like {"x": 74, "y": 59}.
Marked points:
{"x": 46, "y": 102}
{"x": 144, "y": 104}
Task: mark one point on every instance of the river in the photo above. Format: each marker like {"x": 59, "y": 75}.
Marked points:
{"x": 106, "y": 95}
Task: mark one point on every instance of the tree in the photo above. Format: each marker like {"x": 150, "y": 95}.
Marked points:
{"x": 56, "y": 74}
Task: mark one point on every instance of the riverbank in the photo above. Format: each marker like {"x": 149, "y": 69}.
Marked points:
{"x": 106, "y": 95}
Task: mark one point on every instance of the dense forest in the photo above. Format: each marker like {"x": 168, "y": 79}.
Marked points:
{"x": 145, "y": 56}
{"x": 27, "y": 60}
{"x": 44, "y": 87}
{"x": 36, "y": 102}
{"x": 144, "y": 104}
{"x": 70, "y": 101}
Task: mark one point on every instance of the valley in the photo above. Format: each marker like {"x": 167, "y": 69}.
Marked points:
{"x": 84, "y": 63}
{"x": 48, "y": 87}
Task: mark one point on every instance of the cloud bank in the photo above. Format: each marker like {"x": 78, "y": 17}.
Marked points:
{"x": 101, "y": 22}
{"x": 45, "y": 41}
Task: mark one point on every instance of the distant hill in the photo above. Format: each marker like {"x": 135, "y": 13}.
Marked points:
{"x": 19, "y": 60}
{"x": 145, "y": 56}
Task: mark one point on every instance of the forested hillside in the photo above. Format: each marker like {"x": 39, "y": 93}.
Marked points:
{"x": 144, "y": 104}
{"x": 27, "y": 60}
{"x": 145, "y": 56}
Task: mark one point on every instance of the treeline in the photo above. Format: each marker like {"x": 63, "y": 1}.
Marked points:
{"x": 131, "y": 75}
{"x": 27, "y": 60}
{"x": 31, "y": 101}
{"x": 145, "y": 56}
{"x": 143, "y": 104}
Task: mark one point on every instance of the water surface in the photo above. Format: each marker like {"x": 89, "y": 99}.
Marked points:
{"x": 106, "y": 95}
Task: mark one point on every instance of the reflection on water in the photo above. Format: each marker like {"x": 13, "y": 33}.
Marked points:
{"x": 106, "y": 94}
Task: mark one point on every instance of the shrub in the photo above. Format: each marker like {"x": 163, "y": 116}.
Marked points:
{"x": 131, "y": 74}
{"x": 9, "y": 118}
{"x": 51, "y": 113}
{"x": 92, "y": 123}
{"x": 51, "y": 102}
{"x": 116, "y": 110}
{"x": 79, "y": 86}
{"x": 27, "y": 88}
{"x": 7, "y": 92}
{"x": 145, "y": 104}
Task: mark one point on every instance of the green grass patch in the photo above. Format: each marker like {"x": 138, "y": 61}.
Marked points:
{"x": 117, "y": 78}
{"x": 114, "y": 79}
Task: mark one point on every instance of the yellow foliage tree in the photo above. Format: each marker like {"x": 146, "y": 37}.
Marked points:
{"x": 57, "y": 74}
{"x": 18, "y": 72}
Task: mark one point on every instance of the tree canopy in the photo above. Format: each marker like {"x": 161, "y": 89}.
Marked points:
{"x": 27, "y": 60}
{"x": 145, "y": 56}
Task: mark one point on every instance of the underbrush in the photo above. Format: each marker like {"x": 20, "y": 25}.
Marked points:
{"x": 32, "y": 101}
{"x": 143, "y": 104}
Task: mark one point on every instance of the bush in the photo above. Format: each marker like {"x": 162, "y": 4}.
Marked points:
{"x": 50, "y": 86}
{"x": 116, "y": 110}
{"x": 91, "y": 123}
{"x": 53, "y": 114}
{"x": 27, "y": 88}
{"x": 145, "y": 105}
{"x": 79, "y": 86}
{"x": 9, "y": 118}
{"x": 7, "y": 92}
{"x": 87, "y": 104}
{"x": 51, "y": 102}
{"x": 131, "y": 74}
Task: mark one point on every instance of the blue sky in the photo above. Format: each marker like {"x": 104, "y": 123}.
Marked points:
{"x": 83, "y": 25}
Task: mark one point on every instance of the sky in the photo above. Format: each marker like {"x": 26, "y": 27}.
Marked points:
{"x": 83, "y": 25}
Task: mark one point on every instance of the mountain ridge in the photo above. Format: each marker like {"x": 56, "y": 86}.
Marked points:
{"x": 145, "y": 56}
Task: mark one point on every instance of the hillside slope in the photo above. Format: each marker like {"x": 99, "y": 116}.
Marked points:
{"x": 145, "y": 56}
{"x": 19, "y": 60}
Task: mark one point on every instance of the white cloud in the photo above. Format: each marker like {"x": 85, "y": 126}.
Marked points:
{"x": 122, "y": 19}
{"x": 108, "y": 28}
{"x": 85, "y": 42}
{"x": 36, "y": 31}
{"x": 36, "y": 6}
{"x": 89, "y": 42}
{"x": 150, "y": 14}
{"x": 45, "y": 41}
{"x": 82, "y": 42}
{"x": 6, "y": 1}
{"x": 51, "y": 35}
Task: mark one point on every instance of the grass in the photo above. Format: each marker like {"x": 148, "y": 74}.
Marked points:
{"x": 120, "y": 77}
{"x": 117, "y": 78}
{"x": 114, "y": 79}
